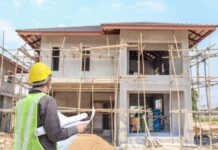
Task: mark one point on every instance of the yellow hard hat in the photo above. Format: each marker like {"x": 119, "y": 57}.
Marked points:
{"x": 39, "y": 72}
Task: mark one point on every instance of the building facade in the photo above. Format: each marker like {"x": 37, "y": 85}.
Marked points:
{"x": 8, "y": 97}
{"x": 147, "y": 71}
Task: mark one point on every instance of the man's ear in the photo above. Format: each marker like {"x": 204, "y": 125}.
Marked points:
{"x": 49, "y": 81}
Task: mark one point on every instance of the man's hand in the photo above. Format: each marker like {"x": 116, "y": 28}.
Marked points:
{"x": 81, "y": 128}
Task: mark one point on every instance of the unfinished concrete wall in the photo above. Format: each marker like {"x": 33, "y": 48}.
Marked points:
{"x": 72, "y": 66}
{"x": 5, "y": 117}
{"x": 157, "y": 40}
{"x": 7, "y": 82}
{"x": 6, "y": 93}
{"x": 130, "y": 85}
{"x": 70, "y": 99}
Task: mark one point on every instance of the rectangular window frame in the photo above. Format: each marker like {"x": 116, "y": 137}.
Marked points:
{"x": 55, "y": 63}
{"x": 86, "y": 60}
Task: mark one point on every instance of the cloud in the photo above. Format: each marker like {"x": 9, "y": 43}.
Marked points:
{"x": 84, "y": 9}
{"x": 117, "y": 5}
{"x": 47, "y": 5}
{"x": 61, "y": 25}
{"x": 39, "y": 3}
{"x": 155, "y": 5}
{"x": 4, "y": 3}
{"x": 11, "y": 37}
{"x": 17, "y": 3}
{"x": 68, "y": 17}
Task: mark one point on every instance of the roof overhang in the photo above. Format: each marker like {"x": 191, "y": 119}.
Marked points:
{"x": 196, "y": 33}
{"x": 157, "y": 27}
{"x": 33, "y": 39}
{"x": 20, "y": 68}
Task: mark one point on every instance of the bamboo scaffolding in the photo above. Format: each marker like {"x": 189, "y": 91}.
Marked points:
{"x": 178, "y": 99}
{"x": 104, "y": 110}
{"x": 116, "y": 91}
{"x": 92, "y": 97}
{"x": 198, "y": 103}
{"x": 62, "y": 56}
{"x": 118, "y": 46}
{"x": 209, "y": 101}
{"x": 113, "y": 52}
{"x": 141, "y": 47}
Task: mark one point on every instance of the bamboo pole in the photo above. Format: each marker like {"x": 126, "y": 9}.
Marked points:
{"x": 178, "y": 99}
{"x": 116, "y": 92}
{"x": 1, "y": 69}
{"x": 121, "y": 46}
{"x": 62, "y": 56}
{"x": 139, "y": 77}
{"x": 132, "y": 111}
{"x": 80, "y": 83}
{"x": 92, "y": 94}
{"x": 209, "y": 102}
{"x": 176, "y": 44}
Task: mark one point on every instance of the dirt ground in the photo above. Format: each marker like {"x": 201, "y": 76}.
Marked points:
{"x": 94, "y": 142}
{"x": 6, "y": 141}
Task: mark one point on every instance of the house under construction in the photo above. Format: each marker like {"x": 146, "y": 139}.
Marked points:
{"x": 7, "y": 92}
{"x": 136, "y": 75}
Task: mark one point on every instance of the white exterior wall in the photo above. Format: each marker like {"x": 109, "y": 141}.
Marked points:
{"x": 6, "y": 94}
{"x": 72, "y": 66}
{"x": 155, "y": 40}
{"x": 6, "y": 87}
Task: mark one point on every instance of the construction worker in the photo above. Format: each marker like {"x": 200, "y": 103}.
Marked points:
{"x": 38, "y": 109}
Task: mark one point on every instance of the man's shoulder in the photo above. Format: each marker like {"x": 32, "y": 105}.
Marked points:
{"x": 46, "y": 99}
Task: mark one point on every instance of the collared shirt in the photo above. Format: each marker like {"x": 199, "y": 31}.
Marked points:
{"x": 48, "y": 118}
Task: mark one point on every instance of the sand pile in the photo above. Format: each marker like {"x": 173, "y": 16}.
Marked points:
{"x": 90, "y": 142}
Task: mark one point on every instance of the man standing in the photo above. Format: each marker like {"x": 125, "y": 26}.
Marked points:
{"x": 38, "y": 109}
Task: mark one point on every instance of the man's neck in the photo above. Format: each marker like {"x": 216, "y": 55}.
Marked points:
{"x": 43, "y": 89}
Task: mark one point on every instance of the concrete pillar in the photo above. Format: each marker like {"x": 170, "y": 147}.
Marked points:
{"x": 188, "y": 119}
{"x": 122, "y": 117}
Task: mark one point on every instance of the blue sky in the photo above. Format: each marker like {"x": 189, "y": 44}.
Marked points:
{"x": 49, "y": 13}
{"x": 15, "y": 14}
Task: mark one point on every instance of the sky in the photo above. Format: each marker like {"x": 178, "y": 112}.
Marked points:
{"x": 18, "y": 14}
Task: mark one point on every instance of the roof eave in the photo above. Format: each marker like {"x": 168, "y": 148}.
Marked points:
{"x": 155, "y": 27}
{"x": 19, "y": 67}
{"x": 25, "y": 33}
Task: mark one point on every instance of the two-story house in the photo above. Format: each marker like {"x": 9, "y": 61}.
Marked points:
{"x": 8, "y": 67}
{"x": 138, "y": 74}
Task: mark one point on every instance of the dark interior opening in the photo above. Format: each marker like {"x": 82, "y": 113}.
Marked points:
{"x": 154, "y": 114}
{"x": 155, "y": 62}
{"x": 86, "y": 61}
{"x": 55, "y": 58}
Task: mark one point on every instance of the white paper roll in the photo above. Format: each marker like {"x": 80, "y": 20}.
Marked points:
{"x": 64, "y": 122}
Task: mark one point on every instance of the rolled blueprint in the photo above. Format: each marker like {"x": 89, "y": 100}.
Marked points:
{"x": 64, "y": 122}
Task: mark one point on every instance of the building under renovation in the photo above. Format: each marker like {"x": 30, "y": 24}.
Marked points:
{"x": 136, "y": 75}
